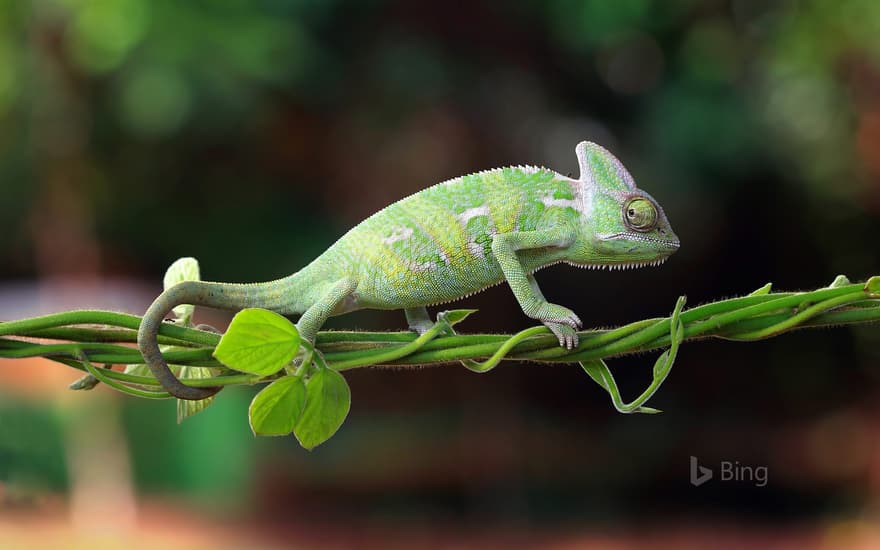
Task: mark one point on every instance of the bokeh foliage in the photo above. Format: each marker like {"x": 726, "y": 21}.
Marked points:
{"x": 250, "y": 134}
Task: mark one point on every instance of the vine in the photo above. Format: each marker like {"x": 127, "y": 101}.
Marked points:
{"x": 308, "y": 396}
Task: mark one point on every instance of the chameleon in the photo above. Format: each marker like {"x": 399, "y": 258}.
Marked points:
{"x": 449, "y": 241}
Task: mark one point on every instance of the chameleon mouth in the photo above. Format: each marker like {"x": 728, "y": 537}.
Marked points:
{"x": 621, "y": 266}
{"x": 670, "y": 244}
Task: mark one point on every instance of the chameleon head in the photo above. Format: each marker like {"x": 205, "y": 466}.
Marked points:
{"x": 625, "y": 227}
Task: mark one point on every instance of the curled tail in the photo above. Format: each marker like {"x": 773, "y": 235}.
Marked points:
{"x": 270, "y": 295}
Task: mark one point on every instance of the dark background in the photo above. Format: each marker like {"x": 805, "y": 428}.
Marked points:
{"x": 251, "y": 135}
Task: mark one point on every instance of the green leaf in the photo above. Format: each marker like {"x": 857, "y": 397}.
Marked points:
{"x": 275, "y": 410}
{"x": 187, "y": 407}
{"x": 328, "y": 400}
{"x": 662, "y": 365}
{"x": 594, "y": 368}
{"x": 138, "y": 370}
{"x": 184, "y": 269}
{"x": 599, "y": 372}
{"x": 143, "y": 370}
{"x": 872, "y": 285}
{"x": 258, "y": 341}
{"x": 762, "y": 291}
{"x": 455, "y": 316}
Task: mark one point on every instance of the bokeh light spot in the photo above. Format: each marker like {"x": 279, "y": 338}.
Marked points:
{"x": 103, "y": 33}
{"x": 803, "y": 105}
{"x": 710, "y": 52}
{"x": 586, "y": 23}
{"x": 155, "y": 102}
{"x": 633, "y": 65}
{"x": 8, "y": 80}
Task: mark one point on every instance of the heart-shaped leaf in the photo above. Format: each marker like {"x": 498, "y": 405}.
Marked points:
{"x": 188, "y": 407}
{"x": 276, "y": 409}
{"x": 258, "y": 341}
{"x": 328, "y": 399}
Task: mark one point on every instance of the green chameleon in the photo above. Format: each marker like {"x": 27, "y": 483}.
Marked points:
{"x": 447, "y": 242}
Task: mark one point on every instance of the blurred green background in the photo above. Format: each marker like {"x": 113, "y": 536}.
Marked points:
{"x": 252, "y": 134}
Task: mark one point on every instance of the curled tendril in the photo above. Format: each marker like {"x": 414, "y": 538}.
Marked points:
{"x": 118, "y": 385}
{"x": 599, "y": 372}
{"x": 503, "y": 350}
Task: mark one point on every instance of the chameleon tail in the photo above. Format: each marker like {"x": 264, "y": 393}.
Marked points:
{"x": 268, "y": 295}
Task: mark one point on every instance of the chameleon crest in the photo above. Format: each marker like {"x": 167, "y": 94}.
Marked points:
{"x": 449, "y": 241}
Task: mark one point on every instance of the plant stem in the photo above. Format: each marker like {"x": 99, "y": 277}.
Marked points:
{"x": 80, "y": 338}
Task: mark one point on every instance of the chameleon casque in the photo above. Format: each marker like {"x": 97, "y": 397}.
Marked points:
{"x": 447, "y": 242}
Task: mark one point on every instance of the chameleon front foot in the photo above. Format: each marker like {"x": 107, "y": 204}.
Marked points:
{"x": 568, "y": 337}
{"x": 562, "y": 321}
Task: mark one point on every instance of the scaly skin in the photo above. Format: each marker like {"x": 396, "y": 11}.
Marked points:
{"x": 449, "y": 241}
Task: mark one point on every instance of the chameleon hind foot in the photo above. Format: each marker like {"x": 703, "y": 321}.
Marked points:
{"x": 420, "y": 322}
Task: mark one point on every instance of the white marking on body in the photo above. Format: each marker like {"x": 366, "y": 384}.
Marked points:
{"x": 476, "y": 250}
{"x": 398, "y": 234}
{"x": 472, "y": 213}
{"x": 586, "y": 194}
{"x": 549, "y": 201}
{"x": 443, "y": 255}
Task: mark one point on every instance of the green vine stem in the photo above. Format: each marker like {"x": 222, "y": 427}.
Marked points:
{"x": 80, "y": 339}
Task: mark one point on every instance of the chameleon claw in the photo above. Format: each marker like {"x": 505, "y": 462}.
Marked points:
{"x": 573, "y": 321}
{"x": 565, "y": 333}
{"x": 420, "y": 328}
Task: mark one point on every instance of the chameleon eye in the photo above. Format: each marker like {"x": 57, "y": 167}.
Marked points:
{"x": 640, "y": 214}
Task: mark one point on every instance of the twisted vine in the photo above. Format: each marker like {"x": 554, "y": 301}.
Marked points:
{"x": 105, "y": 337}
{"x": 310, "y": 398}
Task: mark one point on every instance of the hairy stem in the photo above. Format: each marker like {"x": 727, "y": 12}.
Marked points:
{"x": 79, "y": 339}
